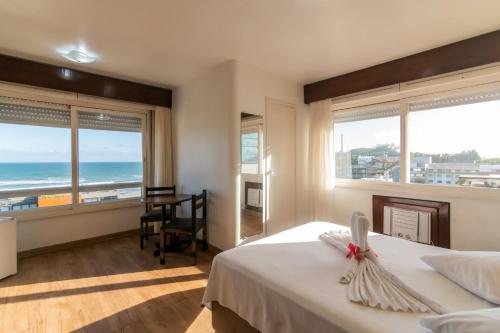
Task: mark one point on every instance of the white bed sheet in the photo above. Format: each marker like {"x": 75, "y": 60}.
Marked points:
{"x": 288, "y": 282}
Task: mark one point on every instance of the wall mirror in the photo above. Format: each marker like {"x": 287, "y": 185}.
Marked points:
{"x": 252, "y": 175}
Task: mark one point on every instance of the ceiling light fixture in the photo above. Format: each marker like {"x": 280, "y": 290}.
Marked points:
{"x": 103, "y": 117}
{"x": 79, "y": 57}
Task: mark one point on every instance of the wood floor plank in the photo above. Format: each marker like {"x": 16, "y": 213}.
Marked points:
{"x": 111, "y": 286}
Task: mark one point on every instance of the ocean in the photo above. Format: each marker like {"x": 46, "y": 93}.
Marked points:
{"x": 16, "y": 176}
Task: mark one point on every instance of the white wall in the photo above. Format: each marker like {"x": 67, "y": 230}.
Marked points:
{"x": 475, "y": 224}
{"x": 253, "y": 85}
{"x": 55, "y": 230}
{"x": 203, "y": 127}
{"x": 206, "y": 129}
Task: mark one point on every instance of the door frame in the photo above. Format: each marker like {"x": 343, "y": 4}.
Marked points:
{"x": 239, "y": 239}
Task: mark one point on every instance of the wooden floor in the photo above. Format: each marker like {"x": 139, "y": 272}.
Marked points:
{"x": 106, "y": 287}
{"x": 251, "y": 224}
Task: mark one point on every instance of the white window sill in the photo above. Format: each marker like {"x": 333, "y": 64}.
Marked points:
{"x": 58, "y": 211}
{"x": 456, "y": 192}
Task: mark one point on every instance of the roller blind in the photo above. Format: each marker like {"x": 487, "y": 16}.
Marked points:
{"x": 484, "y": 96}
{"x": 108, "y": 122}
{"x": 19, "y": 111}
{"x": 367, "y": 112}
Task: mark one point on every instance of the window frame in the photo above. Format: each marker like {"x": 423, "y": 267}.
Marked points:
{"x": 405, "y": 98}
{"x": 75, "y": 162}
{"x": 76, "y": 207}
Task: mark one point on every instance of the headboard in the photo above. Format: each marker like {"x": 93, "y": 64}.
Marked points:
{"x": 425, "y": 221}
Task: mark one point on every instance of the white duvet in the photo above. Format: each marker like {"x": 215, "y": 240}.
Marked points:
{"x": 288, "y": 282}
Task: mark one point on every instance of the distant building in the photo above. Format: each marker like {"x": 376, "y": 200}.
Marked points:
{"x": 418, "y": 165}
{"x": 449, "y": 173}
{"x": 365, "y": 160}
{"x": 343, "y": 165}
{"x": 480, "y": 180}
{"x": 422, "y": 170}
{"x": 396, "y": 173}
{"x": 468, "y": 174}
{"x": 15, "y": 204}
{"x": 54, "y": 200}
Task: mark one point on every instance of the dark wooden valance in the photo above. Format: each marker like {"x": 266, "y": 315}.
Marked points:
{"x": 472, "y": 52}
{"x": 38, "y": 74}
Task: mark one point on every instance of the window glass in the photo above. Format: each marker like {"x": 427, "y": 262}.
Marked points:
{"x": 366, "y": 144}
{"x": 109, "y": 157}
{"x": 34, "y": 157}
{"x": 457, "y": 139}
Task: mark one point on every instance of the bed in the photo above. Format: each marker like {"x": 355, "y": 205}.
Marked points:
{"x": 288, "y": 282}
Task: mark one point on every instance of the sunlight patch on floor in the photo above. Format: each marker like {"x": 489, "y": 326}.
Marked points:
{"x": 202, "y": 323}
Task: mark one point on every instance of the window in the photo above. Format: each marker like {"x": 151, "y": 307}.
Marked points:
{"x": 451, "y": 139}
{"x": 366, "y": 143}
{"x": 36, "y": 168}
{"x": 458, "y": 135}
{"x": 35, "y": 155}
{"x": 110, "y": 157}
{"x": 250, "y": 155}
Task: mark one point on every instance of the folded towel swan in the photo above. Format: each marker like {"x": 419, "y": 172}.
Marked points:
{"x": 368, "y": 282}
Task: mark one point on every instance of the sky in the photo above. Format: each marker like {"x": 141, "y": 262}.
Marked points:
{"x": 23, "y": 143}
{"x": 445, "y": 130}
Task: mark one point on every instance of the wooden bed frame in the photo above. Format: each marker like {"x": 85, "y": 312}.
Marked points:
{"x": 225, "y": 320}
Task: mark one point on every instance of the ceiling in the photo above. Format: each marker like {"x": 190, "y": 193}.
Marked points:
{"x": 167, "y": 43}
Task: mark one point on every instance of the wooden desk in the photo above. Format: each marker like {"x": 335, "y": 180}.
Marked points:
{"x": 163, "y": 201}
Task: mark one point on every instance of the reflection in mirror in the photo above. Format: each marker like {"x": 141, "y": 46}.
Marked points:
{"x": 251, "y": 146}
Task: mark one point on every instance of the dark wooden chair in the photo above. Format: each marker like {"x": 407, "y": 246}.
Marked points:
{"x": 151, "y": 214}
{"x": 192, "y": 225}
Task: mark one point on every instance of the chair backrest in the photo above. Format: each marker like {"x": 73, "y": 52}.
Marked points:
{"x": 163, "y": 191}
{"x": 199, "y": 201}
{"x": 159, "y": 191}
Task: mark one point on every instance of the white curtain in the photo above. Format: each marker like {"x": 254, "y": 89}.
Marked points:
{"x": 321, "y": 159}
{"x": 162, "y": 143}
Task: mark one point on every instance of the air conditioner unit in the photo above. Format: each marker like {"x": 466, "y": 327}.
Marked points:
{"x": 8, "y": 246}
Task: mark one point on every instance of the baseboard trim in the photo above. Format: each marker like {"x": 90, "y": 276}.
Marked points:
{"x": 214, "y": 250}
{"x": 89, "y": 241}
{"x": 76, "y": 243}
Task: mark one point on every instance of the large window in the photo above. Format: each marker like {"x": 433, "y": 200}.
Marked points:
{"x": 36, "y": 169}
{"x": 454, "y": 141}
{"x": 367, "y": 143}
{"x": 451, "y": 140}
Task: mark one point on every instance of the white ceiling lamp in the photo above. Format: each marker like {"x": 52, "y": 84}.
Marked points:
{"x": 103, "y": 117}
{"x": 79, "y": 56}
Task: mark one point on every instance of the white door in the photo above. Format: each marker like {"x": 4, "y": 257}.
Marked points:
{"x": 279, "y": 162}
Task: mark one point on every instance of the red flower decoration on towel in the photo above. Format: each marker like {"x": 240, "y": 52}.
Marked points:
{"x": 354, "y": 251}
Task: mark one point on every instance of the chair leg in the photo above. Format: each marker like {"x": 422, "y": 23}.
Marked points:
{"x": 141, "y": 235}
{"x": 205, "y": 242}
{"x": 194, "y": 244}
{"x": 147, "y": 230}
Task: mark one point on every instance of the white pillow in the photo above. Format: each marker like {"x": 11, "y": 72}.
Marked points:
{"x": 478, "y": 321}
{"x": 478, "y": 272}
